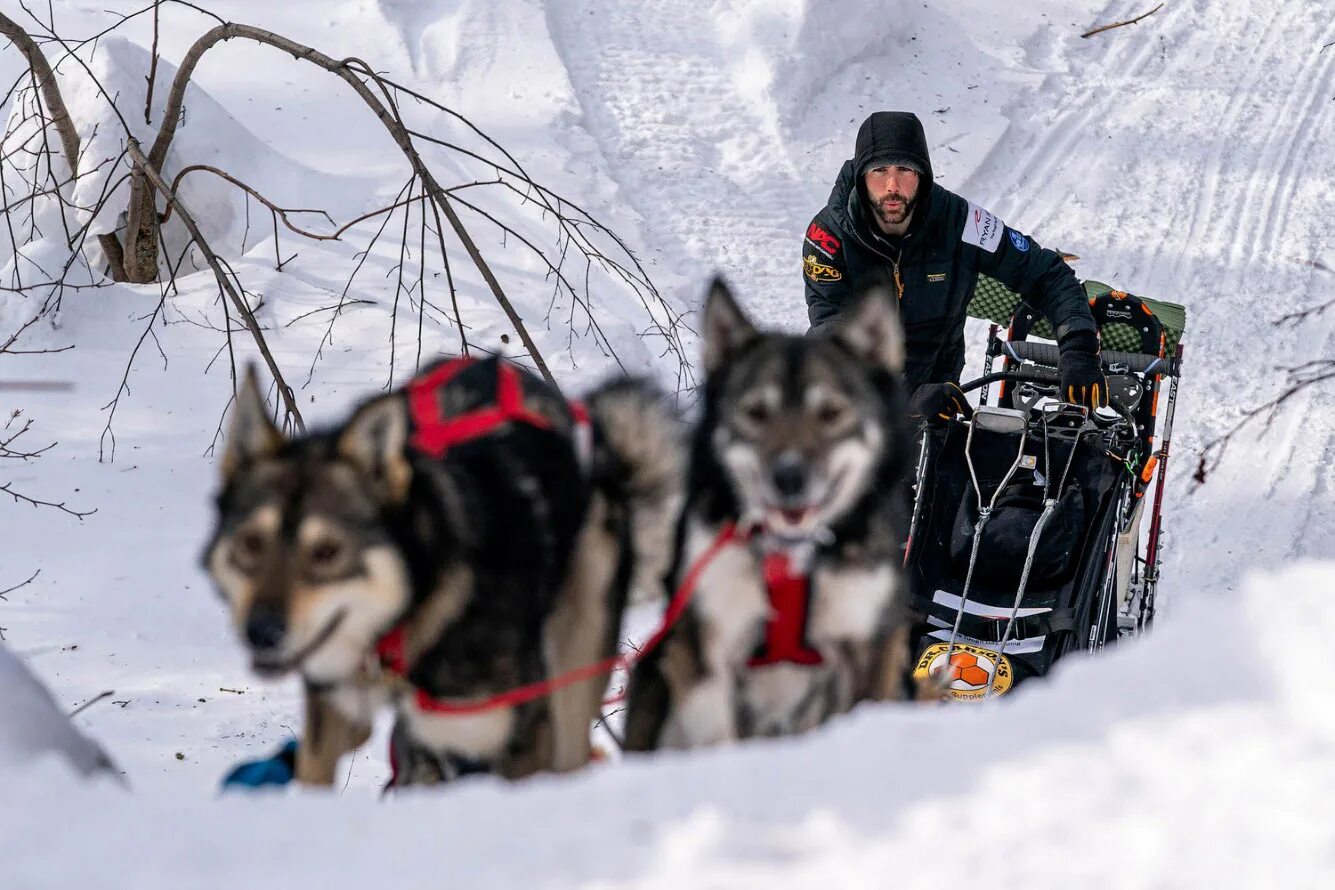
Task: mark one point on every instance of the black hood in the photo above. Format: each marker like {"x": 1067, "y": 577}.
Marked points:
{"x": 888, "y": 136}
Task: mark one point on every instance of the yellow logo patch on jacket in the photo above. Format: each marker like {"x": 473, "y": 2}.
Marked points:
{"x": 818, "y": 271}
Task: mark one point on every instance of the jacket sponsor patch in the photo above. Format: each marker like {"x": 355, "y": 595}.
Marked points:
{"x": 822, "y": 240}
{"x": 934, "y": 277}
{"x": 818, "y": 271}
{"x": 982, "y": 229}
{"x": 1021, "y": 243}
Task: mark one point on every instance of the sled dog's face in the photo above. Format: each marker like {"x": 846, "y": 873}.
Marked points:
{"x": 800, "y": 423}
{"x": 301, "y": 552}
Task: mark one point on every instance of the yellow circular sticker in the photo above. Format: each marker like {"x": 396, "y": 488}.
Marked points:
{"x": 969, "y": 671}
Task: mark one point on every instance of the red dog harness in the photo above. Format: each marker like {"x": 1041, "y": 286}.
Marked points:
{"x": 789, "y": 602}
{"x": 433, "y": 435}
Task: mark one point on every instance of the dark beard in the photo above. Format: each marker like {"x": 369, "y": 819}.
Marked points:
{"x": 886, "y": 218}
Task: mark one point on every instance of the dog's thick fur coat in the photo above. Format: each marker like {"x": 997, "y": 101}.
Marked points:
{"x": 504, "y": 561}
{"x": 803, "y": 444}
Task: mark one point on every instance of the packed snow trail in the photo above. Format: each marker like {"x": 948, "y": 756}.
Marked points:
{"x": 704, "y": 165}
{"x": 1191, "y": 159}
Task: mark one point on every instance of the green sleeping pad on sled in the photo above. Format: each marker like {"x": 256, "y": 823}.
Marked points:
{"x": 993, "y": 301}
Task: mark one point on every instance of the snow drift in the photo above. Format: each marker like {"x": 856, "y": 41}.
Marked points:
{"x": 1192, "y": 757}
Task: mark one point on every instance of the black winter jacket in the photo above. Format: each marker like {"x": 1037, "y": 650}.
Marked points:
{"x": 949, "y": 243}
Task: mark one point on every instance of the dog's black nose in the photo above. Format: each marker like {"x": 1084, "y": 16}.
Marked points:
{"x": 790, "y": 476}
{"x": 266, "y": 626}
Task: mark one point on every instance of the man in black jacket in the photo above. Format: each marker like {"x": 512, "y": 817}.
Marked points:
{"x": 888, "y": 223}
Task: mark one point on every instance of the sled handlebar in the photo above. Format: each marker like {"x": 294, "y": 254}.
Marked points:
{"x": 1027, "y": 375}
{"x": 1113, "y": 360}
{"x": 1041, "y": 376}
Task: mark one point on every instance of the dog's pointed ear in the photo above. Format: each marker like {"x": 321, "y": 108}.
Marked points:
{"x": 375, "y": 441}
{"x": 252, "y": 434}
{"x": 727, "y": 328}
{"x": 872, "y": 330}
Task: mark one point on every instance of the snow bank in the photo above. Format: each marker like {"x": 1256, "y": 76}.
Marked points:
{"x": 1198, "y": 756}
{"x": 34, "y": 726}
{"x": 207, "y": 135}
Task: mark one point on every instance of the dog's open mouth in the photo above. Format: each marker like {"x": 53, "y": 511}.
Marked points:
{"x": 795, "y": 518}
{"x": 804, "y": 518}
{"x": 268, "y": 663}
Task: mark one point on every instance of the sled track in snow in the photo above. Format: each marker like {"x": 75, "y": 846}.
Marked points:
{"x": 705, "y": 166}
{"x": 1216, "y": 201}
{"x": 1232, "y": 231}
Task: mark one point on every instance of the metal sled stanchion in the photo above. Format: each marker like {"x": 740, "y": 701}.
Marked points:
{"x": 1152, "y": 548}
{"x": 998, "y": 420}
{"x": 1050, "y": 498}
{"x": 924, "y": 441}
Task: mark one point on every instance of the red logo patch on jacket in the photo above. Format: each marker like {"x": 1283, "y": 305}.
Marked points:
{"x": 822, "y": 240}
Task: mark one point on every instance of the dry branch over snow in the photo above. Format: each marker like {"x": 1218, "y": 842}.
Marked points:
{"x": 136, "y": 200}
{"x": 1103, "y": 28}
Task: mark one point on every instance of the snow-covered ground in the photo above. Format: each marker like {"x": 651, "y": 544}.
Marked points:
{"x": 1187, "y": 157}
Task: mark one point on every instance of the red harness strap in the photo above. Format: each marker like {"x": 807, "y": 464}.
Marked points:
{"x": 789, "y": 601}
{"x": 435, "y": 433}
{"x": 433, "y": 436}
{"x": 390, "y": 650}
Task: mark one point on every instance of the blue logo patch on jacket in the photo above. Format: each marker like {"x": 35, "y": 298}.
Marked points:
{"x": 1021, "y": 243}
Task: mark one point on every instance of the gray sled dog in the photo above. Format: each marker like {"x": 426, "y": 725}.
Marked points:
{"x": 446, "y": 544}
{"x": 803, "y": 449}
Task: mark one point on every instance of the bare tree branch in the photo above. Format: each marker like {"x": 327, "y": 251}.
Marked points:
{"x": 175, "y": 99}
{"x": 1300, "y": 377}
{"x": 285, "y": 391}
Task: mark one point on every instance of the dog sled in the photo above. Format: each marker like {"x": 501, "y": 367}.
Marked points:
{"x": 1037, "y": 524}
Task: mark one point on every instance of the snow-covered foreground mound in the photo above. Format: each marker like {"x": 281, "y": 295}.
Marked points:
{"x": 1203, "y": 756}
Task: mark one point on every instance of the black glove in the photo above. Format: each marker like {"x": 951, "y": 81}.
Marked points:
{"x": 936, "y": 403}
{"x": 1081, "y": 371}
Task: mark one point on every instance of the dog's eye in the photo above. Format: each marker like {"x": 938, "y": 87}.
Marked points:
{"x": 250, "y": 544}
{"x": 757, "y": 412}
{"x": 830, "y": 413}
{"x": 325, "y": 552}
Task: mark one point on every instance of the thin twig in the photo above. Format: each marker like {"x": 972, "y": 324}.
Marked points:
{"x": 92, "y": 701}
{"x": 1103, "y": 28}
{"x": 7, "y": 489}
{"x": 152, "y": 70}
{"x": 1300, "y": 377}
{"x": 335, "y": 308}
{"x": 31, "y": 578}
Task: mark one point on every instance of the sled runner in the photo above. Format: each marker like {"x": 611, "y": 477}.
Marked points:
{"x": 1026, "y": 540}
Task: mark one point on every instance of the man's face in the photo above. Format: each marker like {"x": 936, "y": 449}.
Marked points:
{"x": 893, "y": 191}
